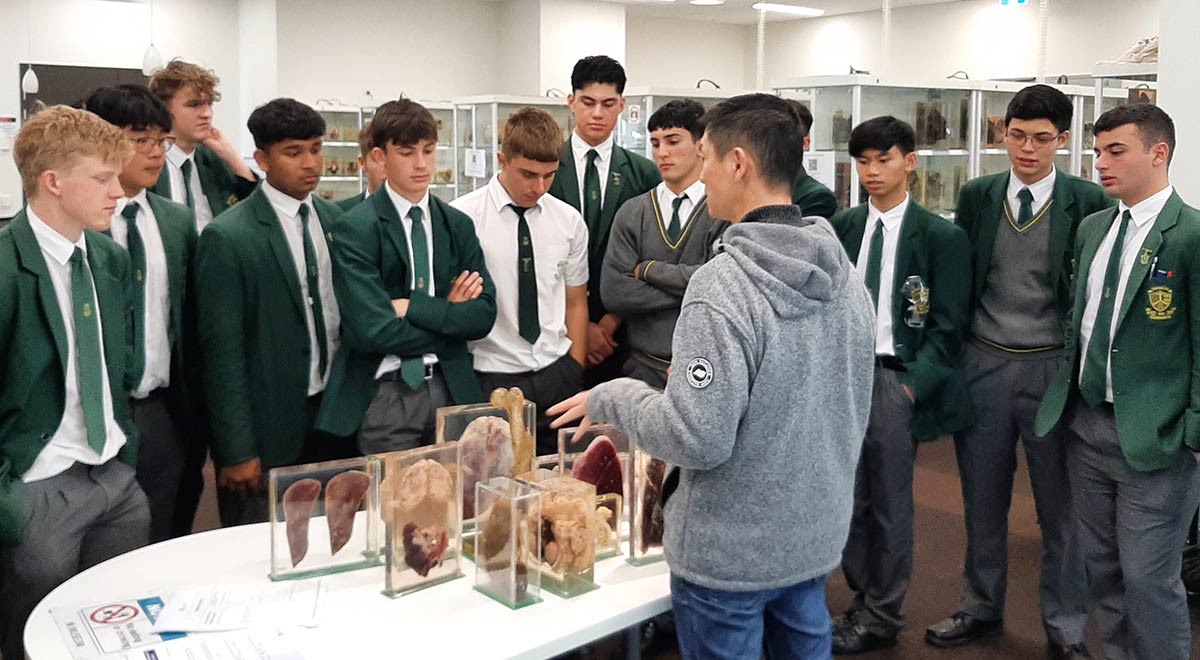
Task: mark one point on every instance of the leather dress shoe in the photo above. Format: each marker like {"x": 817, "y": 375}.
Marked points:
{"x": 962, "y": 628}
{"x": 1055, "y": 651}
{"x": 853, "y": 637}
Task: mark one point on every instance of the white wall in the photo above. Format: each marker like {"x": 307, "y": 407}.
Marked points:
{"x": 677, "y": 53}
{"x": 520, "y": 65}
{"x": 1178, "y": 94}
{"x": 977, "y": 36}
{"x": 259, "y": 71}
{"x": 572, "y": 29}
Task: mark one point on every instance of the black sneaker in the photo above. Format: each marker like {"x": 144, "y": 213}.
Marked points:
{"x": 853, "y": 637}
{"x": 962, "y": 628}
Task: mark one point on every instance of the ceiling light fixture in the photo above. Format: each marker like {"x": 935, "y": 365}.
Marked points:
{"x": 29, "y": 81}
{"x": 151, "y": 60}
{"x": 791, "y": 10}
{"x": 706, "y": 3}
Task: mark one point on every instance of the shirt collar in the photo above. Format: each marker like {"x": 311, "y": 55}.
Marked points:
{"x": 500, "y": 197}
{"x": 403, "y": 205}
{"x": 177, "y": 157}
{"x": 1149, "y": 208}
{"x": 1040, "y": 189}
{"x": 580, "y": 148}
{"x": 892, "y": 218}
{"x": 52, "y": 242}
{"x": 141, "y": 199}
{"x": 285, "y": 204}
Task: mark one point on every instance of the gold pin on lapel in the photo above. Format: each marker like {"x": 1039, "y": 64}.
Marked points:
{"x": 1145, "y": 259}
{"x": 87, "y": 310}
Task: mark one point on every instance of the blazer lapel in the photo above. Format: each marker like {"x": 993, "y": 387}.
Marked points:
{"x": 33, "y": 262}
{"x": 989, "y": 222}
{"x": 392, "y": 227}
{"x": 1060, "y": 224}
{"x": 568, "y": 177}
{"x": 279, "y": 246}
{"x": 442, "y": 245}
{"x": 175, "y": 249}
{"x": 1083, "y": 265}
{"x": 618, "y": 177}
{"x": 206, "y": 163}
{"x": 910, "y": 237}
{"x": 108, "y": 297}
{"x": 1149, "y": 250}
{"x": 858, "y": 227}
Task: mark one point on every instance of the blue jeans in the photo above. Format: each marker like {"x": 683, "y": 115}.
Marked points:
{"x": 791, "y": 623}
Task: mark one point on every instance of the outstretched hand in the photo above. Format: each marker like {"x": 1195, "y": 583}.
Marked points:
{"x": 570, "y": 410}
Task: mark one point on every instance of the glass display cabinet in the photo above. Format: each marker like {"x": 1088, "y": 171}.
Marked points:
{"x": 641, "y": 102}
{"x": 480, "y": 127}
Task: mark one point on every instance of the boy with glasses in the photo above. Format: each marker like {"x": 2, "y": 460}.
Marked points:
{"x": 161, "y": 240}
{"x": 1021, "y": 225}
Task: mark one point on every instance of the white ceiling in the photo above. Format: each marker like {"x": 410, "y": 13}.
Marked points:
{"x": 739, "y": 11}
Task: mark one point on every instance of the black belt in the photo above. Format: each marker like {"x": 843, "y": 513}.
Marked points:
{"x": 890, "y": 362}
{"x": 395, "y": 376}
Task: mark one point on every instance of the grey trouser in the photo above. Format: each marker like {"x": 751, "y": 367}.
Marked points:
{"x": 162, "y": 451}
{"x": 878, "y": 557}
{"x": 561, "y": 379}
{"x": 1132, "y": 529}
{"x": 1006, "y": 389}
{"x": 401, "y": 417}
{"x": 72, "y": 521}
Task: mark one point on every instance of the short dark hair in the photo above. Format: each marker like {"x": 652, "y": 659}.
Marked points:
{"x": 129, "y": 106}
{"x": 806, "y": 118}
{"x": 365, "y": 143}
{"x": 680, "y": 113}
{"x": 1153, "y": 123}
{"x": 764, "y": 125}
{"x": 402, "y": 122}
{"x": 1041, "y": 102}
{"x": 284, "y": 119}
{"x": 600, "y": 69}
{"x": 882, "y": 133}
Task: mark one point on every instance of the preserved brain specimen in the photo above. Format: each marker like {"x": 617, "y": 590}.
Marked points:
{"x": 487, "y": 451}
{"x": 343, "y": 497}
{"x": 299, "y": 500}
{"x": 600, "y": 465}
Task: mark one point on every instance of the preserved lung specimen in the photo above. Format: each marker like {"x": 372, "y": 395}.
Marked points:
{"x": 652, "y": 513}
{"x": 487, "y": 451}
{"x": 599, "y": 465}
{"x": 343, "y": 497}
{"x": 512, "y": 401}
{"x": 418, "y": 502}
{"x": 299, "y": 500}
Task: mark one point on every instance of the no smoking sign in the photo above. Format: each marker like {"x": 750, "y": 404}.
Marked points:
{"x": 114, "y": 614}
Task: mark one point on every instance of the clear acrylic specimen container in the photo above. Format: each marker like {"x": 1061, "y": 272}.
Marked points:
{"x": 420, "y": 504}
{"x": 600, "y": 456}
{"x": 568, "y": 535}
{"x": 508, "y": 541}
{"x": 488, "y": 449}
{"x": 324, "y": 518}
{"x": 644, "y": 503}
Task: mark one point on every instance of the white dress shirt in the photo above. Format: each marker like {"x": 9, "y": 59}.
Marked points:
{"x": 694, "y": 193}
{"x": 1041, "y": 190}
{"x": 287, "y": 210}
{"x": 69, "y": 444}
{"x": 603, "y": 161}
{"x": 391, "y": 363}
{"x": 175, "y": 159}
{"x": 884, "y": 343}
{"x": 157, "y": 312}
{"x": 1144, "y": 213}
{"x": 560, "y": 240}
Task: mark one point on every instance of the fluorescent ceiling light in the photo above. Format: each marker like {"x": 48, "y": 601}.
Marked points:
{"x": 793, "y": 10}
{"x": 706, "y": 3}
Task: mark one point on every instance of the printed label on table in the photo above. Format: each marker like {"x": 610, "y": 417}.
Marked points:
{"x": 114, "y": 627}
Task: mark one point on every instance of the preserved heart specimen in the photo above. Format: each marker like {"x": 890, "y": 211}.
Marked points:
{"x": 343, "y": 497}
{"x": 299, "y": 500}
{"x": 487, "y": 451}
{"x": 599, "y": 465}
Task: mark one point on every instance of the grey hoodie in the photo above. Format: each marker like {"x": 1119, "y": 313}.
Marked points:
{"x": 765, "y": 409}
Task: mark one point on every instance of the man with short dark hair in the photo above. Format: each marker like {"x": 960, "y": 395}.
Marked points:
{"x": 659, "y": 239}
{"x": 270, "y": 329}
{"x": 414, "y": 285}
{"x": 597, "y": 177}
{"x": 810, "y": 195}
{"x": 160, "y": 237}
{"x": 536, "y": 249}
{"x": 765, "y": 444}
{"x": 1128, "y": 399}
{"x": 1020, "y": 225}
{"x": 917, "y": 267}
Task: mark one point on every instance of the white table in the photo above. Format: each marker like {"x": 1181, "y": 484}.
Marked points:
{"x": 450, "y": 620}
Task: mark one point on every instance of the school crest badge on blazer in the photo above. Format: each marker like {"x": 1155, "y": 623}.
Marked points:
{"x": 1160, "y": 304}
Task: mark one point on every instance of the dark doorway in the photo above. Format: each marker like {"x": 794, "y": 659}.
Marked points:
{"x": 69, "y": 85}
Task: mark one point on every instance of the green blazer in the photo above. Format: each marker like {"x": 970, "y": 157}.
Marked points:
{"x": 1154, "y": 361}
{"x": 813, "y": 198}
{"x": 628, "y": 176}
{"x": 936, "y": 251}
{"x": 253, "y": 338}
{"x": 370, "y": 247}
{"x": 351, "y": 202}
{"x": 34, "y": 337}
{"x": 222, "y": 188}
{"x": 981, "y": 206}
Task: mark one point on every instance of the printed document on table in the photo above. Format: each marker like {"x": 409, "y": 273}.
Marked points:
{"x": 216, "y": 646}
{"x": 234, "y": 607}
{"x": 111, "y": 627}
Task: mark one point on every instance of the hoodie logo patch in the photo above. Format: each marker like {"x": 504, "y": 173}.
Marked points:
{"x": 699, "y": 373}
